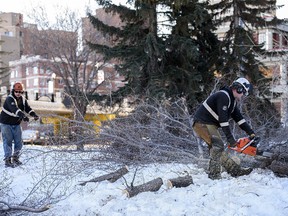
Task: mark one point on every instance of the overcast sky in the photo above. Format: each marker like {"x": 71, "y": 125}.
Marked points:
{"x": 24, "y": 6}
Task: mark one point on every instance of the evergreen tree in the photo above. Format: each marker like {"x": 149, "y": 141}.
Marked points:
{"x": 240, "y": 49}
{"x": 193, "y": 51}
{"x": 157, "y": 65}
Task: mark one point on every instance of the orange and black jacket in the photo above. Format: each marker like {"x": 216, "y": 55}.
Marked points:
{"x": 218, "y": 108}
{"x": 13, "y": 110}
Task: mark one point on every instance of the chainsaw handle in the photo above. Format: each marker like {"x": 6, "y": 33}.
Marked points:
{"x": 257, "y": 139}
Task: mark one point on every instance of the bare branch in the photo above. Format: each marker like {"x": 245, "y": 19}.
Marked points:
{"x": 9, "y": 207}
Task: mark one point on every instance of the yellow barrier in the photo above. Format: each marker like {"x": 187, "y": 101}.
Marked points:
{"x": 61, "y": 122}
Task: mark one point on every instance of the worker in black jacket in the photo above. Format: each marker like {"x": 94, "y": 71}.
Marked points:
{"x": 13, "y": 112}
{"x": 215, "y": 113}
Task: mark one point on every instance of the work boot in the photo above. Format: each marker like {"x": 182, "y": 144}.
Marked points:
{"x": 8, "y": 162}
{"x": 232, "y": 167}
{"x": 241, "y": 172}
{"x": 16, "y": 161}
{"x": 214, "y": 176}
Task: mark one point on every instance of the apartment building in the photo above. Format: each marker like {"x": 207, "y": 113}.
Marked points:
{"x": 34, "y": 69}
{"x": 11, "y": 42}
{"x": 35, "y": 73}
{"x": 275, "y": 41}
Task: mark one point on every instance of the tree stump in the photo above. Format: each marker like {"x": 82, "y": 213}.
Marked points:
{"x": 182, "y": 181}
{"x": 153, "y": 185}
{"x": 111, "y": 177}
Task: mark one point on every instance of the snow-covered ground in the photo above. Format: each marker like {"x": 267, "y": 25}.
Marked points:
{"x": 52, "y": 177}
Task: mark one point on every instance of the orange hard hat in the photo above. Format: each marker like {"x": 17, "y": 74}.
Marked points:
{"x": 18, "y": 86}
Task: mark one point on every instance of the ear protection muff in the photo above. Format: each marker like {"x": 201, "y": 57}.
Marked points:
{"x": 239, "y": 88}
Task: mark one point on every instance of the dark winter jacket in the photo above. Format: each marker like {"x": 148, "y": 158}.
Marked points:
{"x": 218, "y": 108}
{"x": 13, "y": 110}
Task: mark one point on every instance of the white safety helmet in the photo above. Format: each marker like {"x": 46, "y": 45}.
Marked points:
{"x": 242, "y": 85}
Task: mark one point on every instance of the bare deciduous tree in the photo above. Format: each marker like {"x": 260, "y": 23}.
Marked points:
{"x": 71, "y": 60}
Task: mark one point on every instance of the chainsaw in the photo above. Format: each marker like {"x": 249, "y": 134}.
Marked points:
{"x": 249, "y": 146}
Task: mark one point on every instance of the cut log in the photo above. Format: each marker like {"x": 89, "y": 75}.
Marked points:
{"x": 283, "y": 157}
{"x": 280, "y": 168}
{"x": 111, "y": 177}
{"x": 182, "y": 181}
{"x": 153, "y": 185}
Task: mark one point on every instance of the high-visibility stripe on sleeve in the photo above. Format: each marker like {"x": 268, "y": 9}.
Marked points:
{"x": 224, "y": 124}
{"x": 208, "y": 108}
{"x": 241, "y": 121}
{"x": 17, "y": 111}
{"x": 31, "y": 111}
{"x": 9, "y": 113}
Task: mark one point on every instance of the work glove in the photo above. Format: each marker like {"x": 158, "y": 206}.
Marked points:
{"x": 34, "y": 115}
{"x": 233, "y": 145}
{"x": 256, "y": 138}
{"x": 21, "y": 115}
{"x": 26, "y": 119}
{"x": 252, "y": 136}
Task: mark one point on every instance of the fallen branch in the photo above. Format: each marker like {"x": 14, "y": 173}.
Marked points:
{"x": 153, "y": 185}
{"x": 9, "y": 207}
{"x": 182, "y": 181}
{"x": 111, "y": 177}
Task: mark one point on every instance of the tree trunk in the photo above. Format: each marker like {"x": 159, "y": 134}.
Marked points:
{"x": 153, "y": 185}
{"x": 111, "y": 177}
{"x": 182, "y": 181}
{"x": 79, "y": 112}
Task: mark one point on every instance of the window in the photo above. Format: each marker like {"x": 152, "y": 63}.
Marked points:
{"x": 276, "y": 41}
{"x": 285, "y": 41}
{"x": 256, "y": 37}
{"x": 100, "y": 76}
{"x": 261, "y": 38}
{"x": 27, "y": 71}
{"x": 60, "y": 81}
{"x": 35, "y": 70}
{"x": 12, "y": 74}
{"x": 35, "y": 82}
{"x": 42, "y": 81}
{"x": 8, "y": 33}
